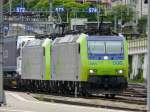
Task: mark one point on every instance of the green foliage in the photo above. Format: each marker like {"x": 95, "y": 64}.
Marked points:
{"x": 60, "y": 2}
{"x": 142, "y": 25}
{"x": 77, "y": 9}
{"x": 29, "y": 4}
{"x": 15, "y": 3}
{"x": 137, "y": 81}
{"x": 121, "y": 12}
{"x": 42, "y": 4}
{"x": 70, "y": 4}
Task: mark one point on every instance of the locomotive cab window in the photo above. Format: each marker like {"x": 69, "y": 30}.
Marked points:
{"x": 105, "y": 47}
{"x": 96, "y": 47}
{"x": 114, "y": 47}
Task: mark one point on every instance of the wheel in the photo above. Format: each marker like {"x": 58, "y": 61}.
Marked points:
{"x": 112, "y": 95}
{"x": 106, "y": 95}
{"x": 83, "y": 92}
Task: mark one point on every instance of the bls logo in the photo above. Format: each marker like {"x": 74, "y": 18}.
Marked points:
{"x": 117, "y": 63}
{"x": 92, "y": 63}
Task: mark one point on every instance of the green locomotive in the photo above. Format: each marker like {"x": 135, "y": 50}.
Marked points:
{"x": 76, "y": 63}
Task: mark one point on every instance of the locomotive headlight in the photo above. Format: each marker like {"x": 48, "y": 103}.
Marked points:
{"x": 91, "y": 71}
{"x": 120, "y": 71}
{"x": 105, "y": 57}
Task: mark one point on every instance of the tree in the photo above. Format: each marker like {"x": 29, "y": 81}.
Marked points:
{"x": 73, "y": 8}
{"x": 29, "y": 4}
{"x": 142, "y": 25}
{"x": 15, "y": 3}
{"x": 41, "y": 4}
{"x": 121, "y": 12}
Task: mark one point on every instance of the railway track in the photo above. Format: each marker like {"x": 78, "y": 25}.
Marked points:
{"x": 117, "y": 103}
{"x": 136, "y": 90}
{"x": 133, "y": 99}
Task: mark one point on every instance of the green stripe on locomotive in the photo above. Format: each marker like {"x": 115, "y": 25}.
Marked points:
{"x": 83, "y": 57}
{"x": 102, "y": 67}
{"x": 47, "y": 51}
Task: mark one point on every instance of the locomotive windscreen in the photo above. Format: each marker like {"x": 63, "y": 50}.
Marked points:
{"x": 98, "y": 49}
{"x": 105, "y": 47}
{"x": 114, "y": 47}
